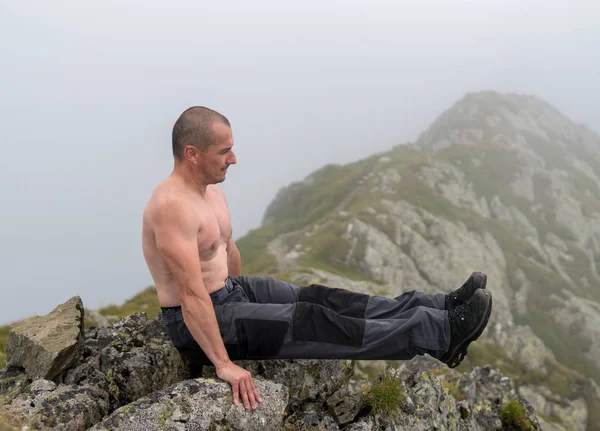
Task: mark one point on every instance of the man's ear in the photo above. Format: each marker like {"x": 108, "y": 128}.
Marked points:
{"x": 190, "y": 153}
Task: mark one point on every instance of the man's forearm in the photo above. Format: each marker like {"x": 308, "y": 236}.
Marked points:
{"x": 199, "y": 316}
{"x": 234, "y": 262}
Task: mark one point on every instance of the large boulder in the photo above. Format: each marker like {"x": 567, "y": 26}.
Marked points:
{"x": 47, "y": 345}
{"x": 200, "y": 404}
{"x": 309, "y": 380}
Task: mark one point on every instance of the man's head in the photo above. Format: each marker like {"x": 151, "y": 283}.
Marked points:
{"x": 202, "y": 141}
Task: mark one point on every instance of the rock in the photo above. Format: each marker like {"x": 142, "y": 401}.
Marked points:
{"x": 309, "y": 421}
{"x": 118, "y": 365}
{"x": 345, "y": 406}
{"x": 524, "y": 347}
{"x": 12, "y": 383}
{"x": 128, "y": 360}
{"x": 42, "y": 385}
{"x": 573, "y": 414}
{"x": 308, "y": 380}
{"x": 199, "y": 404}
{"x": 68, "y": 407}
{"x": 427, "y": 405}
{"x": 46, "y": 346}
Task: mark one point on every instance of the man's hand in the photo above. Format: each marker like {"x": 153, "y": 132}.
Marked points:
{"x": 241, "y": 383}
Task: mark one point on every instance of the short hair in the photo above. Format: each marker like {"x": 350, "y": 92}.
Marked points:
{"x": 194, "y": 127}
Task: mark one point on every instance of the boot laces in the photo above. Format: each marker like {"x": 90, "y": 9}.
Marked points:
{"x": 459, "y": 313}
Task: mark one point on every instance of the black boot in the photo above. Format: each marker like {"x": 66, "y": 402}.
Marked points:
{"x": 467, "y": 322}
{"x": 477, "y": 280}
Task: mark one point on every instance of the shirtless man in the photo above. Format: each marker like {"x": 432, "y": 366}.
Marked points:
{"x": 214, "y": 315}
{"x": 187, "y": 239}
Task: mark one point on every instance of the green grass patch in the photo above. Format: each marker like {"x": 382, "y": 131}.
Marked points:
{"x": 3, "y": 339}
{"x": 386, "y": 396}
{"x": 144, "y": 302}
{"x": 256, "y": 260}
{"x": 298, "y": 206}
{"x": 306, "y": 202}
{"x": 328, "y": 251}
{"x": 514, "y": 417}
{"x": 454, "y": 390}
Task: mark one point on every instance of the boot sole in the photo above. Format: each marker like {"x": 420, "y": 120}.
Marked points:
{"x": 460, "y": 350}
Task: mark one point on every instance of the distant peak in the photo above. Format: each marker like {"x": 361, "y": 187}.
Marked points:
{"x": 482, "y": 116}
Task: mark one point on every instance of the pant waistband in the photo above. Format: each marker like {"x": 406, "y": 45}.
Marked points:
{"x": 172, "y": 315}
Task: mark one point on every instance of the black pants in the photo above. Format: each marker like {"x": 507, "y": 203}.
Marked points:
{"x": 265, "y": 318}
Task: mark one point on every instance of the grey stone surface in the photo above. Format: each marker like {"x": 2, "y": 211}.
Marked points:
{"x": 199, "y": 404}
{"x": 47, "y": 345}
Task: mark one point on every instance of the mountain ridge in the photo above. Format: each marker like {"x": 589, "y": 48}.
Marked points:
{"x": 507, "y": 171}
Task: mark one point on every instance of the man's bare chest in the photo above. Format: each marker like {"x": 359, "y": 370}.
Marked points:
{"x": 214, "y": 229}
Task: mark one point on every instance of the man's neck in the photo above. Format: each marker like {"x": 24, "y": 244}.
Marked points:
{"x": 190, "y": 179}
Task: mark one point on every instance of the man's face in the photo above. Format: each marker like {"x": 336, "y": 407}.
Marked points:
{"x": 214, "y": 160}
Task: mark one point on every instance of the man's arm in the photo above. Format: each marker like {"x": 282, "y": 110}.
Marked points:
{"x": 176, "y": 230}
{"x": 234, "y": 259}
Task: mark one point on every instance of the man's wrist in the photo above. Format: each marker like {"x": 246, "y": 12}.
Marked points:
{"x": 222, "y": 364}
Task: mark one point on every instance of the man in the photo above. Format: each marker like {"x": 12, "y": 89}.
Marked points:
{"x": 213, "y": 315}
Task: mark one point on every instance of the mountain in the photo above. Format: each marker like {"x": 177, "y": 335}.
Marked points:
{"x": 500, "y": 183}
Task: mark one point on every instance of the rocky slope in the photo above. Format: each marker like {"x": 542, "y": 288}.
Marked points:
{"x": 503, "y": 184}
{"x": 127, "y": 376}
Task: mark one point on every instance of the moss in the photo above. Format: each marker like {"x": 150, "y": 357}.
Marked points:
{"x": 162, "y": 419}
{"x": 513, "y": 417}
{"x": 113, "y": 388}
{"x": 454, "y": 390}
{"x": 386, "y": 396}
{"x": 314, "y": 372}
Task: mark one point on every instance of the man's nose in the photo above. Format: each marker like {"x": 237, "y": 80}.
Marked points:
{"x": 232, "y": 159}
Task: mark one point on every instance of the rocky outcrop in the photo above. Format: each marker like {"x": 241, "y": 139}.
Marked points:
{"x": 129, "y": 377}
{"x": 118, "y": 364}
{"x": 47, "y": 345}
{"x": 573, "y": 414}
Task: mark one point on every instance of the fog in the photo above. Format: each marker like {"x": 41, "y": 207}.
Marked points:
{"x": 89, "y": 94}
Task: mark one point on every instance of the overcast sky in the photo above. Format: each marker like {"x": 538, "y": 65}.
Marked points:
{"x": 89, "y": 93}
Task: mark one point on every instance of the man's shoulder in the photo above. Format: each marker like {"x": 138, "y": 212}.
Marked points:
{"x": 168, "y": 202}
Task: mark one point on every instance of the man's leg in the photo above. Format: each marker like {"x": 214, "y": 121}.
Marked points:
{"x": 311, "y": 331}
{"x": 304, "y": 330}
{"x": 267, "y": 290}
